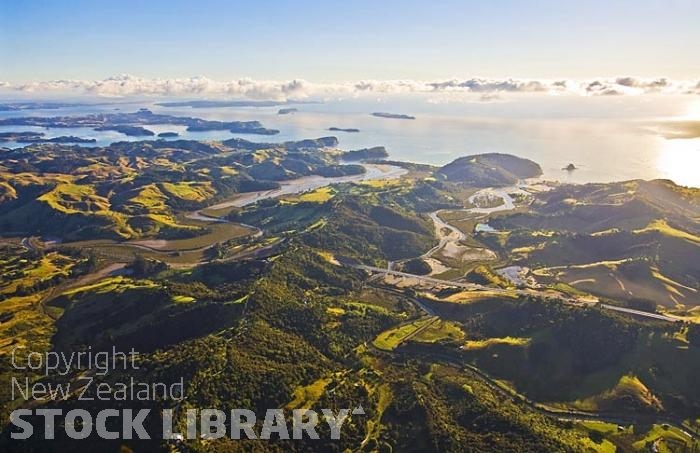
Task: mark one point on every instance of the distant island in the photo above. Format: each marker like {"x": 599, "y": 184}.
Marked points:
{"x": 131, "y": 131}
{"x": 287, "y": 111}
{"x": 38, "y": 137}
{"x": 16, "y": 106}
{"x": 340, "y": 129}
{"x": 17, "y": 136}
{"x": 396, "y": 116}
{"x": 168, "y": 134}
{"x": 211, "y": 104}
{"x": 296, "y": 251}
{"x": 570, "y": 167}
{"x": 108, "y": 121}
{"x": 60, "y": 139}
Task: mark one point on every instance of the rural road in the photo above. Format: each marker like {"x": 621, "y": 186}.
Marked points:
{"x": 456, "y": 235}
{"x": 522, "y": 292}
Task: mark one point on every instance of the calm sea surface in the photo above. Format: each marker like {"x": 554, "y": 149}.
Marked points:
{"x": 608, "y": 139}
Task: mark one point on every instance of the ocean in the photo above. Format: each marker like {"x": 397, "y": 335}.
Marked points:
{"x": 607, "y": 138}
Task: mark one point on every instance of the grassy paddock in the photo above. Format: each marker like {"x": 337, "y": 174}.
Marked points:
{"x": 390, "y": 339}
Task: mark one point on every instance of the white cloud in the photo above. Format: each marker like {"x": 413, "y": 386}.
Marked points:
{"x": 486, "y": 89}
{"x": 478, "y": 85}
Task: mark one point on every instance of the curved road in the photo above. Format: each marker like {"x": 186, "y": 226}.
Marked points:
{"x": 456, "y": 235}
{"x": 564, "y": 415}
{"x": 294, "y": 186}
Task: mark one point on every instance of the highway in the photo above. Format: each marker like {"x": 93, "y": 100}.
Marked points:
{"x": 456, "y": 235}
{"x": 510, "y": 292}
{"x": 562, "y": 414}
{"x": 470, "y": 286}
{"x": 467, "y": 286}
{"x": 639, "y": 312}
{"x": 559, "y": 414}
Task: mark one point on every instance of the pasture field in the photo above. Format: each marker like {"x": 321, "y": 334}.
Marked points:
{"x": 390, "y": 339}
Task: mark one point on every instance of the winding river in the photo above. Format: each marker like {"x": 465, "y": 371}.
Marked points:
{"x": 456, "y": 235}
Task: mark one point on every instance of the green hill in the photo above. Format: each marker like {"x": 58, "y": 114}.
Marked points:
{"x": 487, "y": 170}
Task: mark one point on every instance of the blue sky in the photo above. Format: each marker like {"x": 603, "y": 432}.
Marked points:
{"x": 325, "y": 41}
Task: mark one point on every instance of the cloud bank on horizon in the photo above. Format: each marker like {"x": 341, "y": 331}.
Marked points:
{"x": 299, "y": 89}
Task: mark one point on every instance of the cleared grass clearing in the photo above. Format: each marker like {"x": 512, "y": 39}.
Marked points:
{"x": 567, "y": 288}
{"x": 320, "y": 223}
{"x": 629, "y": 388}
{"x": 70, "y": 198}
{"x": 601, "y": 427}
{"x": 608, "y": 430}
{"x": 632, "y": 279}
{"x": 112, "y": 284}
{"x": 390, "y": 339}
{"x": 22, "y": 272}
{"x": 81, "y": 199}
{"x": 7, "y": 191}
{"x": 362, "y": 307}
{"x": 25, "y": 179}
{"x": 320, "y": 195}
{"x": 190, "y": 191}
{"x": 467, "y": 297}
{"x": 439, "y": 331}
{"x": 611, "y": 264}
{"x": 529, "y": 248}
{"x": 306, "y": 396}
{"x": 604, "y": 447}
{"x": 384, "y": 397}
{"x": 229, "y": 171}
{"x": 166, "y": 220}
{"x": 151, "y": 202}
{"x": 262, "y": 155}
{"x": 382, "y": 183}
{"x": 380, "y": 299}
{"x": 24, "y": 325}
{"x": 180, "y": 299}
{"x": 47, "y": 267}
{"x": 329, "y": 257}
{"x": 688, "y": 315}
{"x": 475, "y": 345}
{"x": 667, "y": 439}
{"x": 663, "y": 227}
{"x": 487, "y": 276}
{"x": 335, "y": 311}
{"x": 151, "y": 198}
{"x": 606, "y": 232}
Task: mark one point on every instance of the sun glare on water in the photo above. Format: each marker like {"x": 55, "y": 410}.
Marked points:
{"x": 679, "y": 160}
{"x": 693, "y": 111}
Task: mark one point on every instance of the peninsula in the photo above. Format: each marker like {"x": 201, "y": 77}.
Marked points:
{"x": 142, "y": 117}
